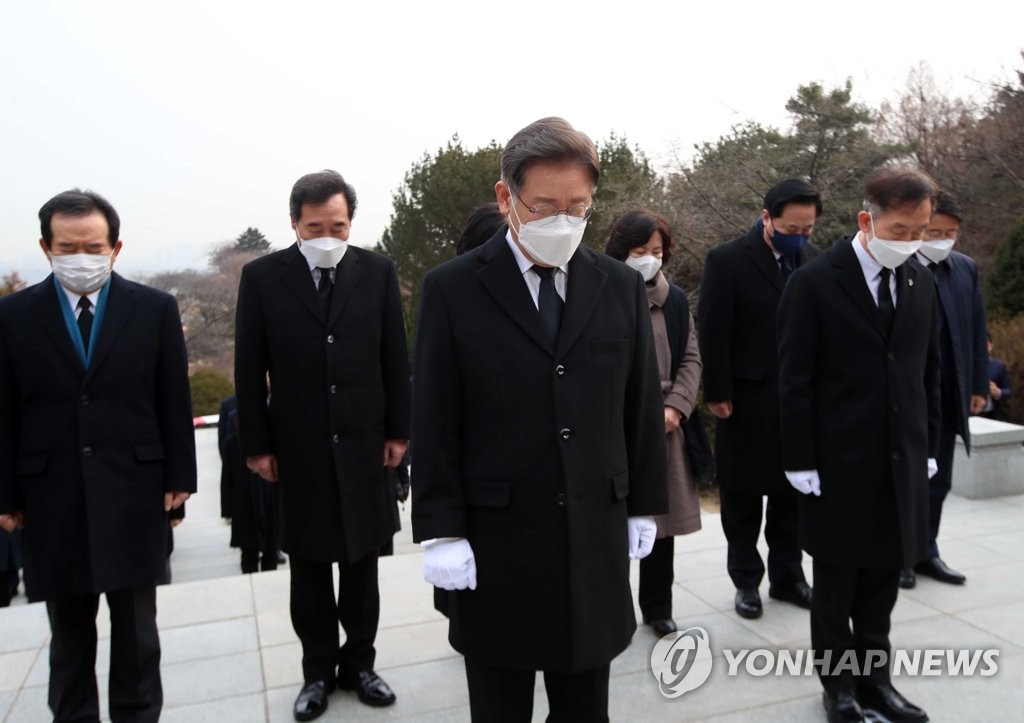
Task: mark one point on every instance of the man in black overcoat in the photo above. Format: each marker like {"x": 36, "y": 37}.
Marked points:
{"x": 540, "y": 440}
{"x": 859, "y": 394}
{"x": 97, "y": 451}
{"x": 739, "y": 295}
{"x": 320, "y": 333}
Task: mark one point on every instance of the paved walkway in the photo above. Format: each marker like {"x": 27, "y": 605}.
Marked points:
{"x": 229, "y": 653}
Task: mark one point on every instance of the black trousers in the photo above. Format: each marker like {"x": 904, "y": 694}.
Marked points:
{"x": 851, "y": 610}
{"x": 656, "y": 576}
{"x": 316, "y": 613}
{"x": 741, "y": 522}
{"x": 503, "y": 695}
{"x": 135, "y": 690}
{"x": 940, "y": 484}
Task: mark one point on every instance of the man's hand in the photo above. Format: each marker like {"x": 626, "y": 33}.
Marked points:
{"x": 806, "y": 482}
{"x": 12, "y": 521}
{"x": 174, "y": 500}
{"x": 450, "y": 564}
{"x": 994, "y": 391}
{"x": 673, "y": 418}
{"x": 394, "y": 451}
{"x": 722, "y": 410}
{"x": 265, "y": 465}
{"x": 977, "y": 403}
{"x": 176, "y": 521}
{"x": 641, "y": 533}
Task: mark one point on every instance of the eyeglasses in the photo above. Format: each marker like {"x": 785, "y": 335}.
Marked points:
{"x": 546, "y": 213}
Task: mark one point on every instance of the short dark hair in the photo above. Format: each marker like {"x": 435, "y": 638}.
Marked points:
{"x": 946, "y": 203}
{"x": 318, "y": 188}
{"x": 792, "y": 190}
{"x": 895, "y": 187}
{"x": 548, "y": 139}
{"x": 482, "y": 224}
{"x": 77, "y": 202}
{"x": 634, "y": 229}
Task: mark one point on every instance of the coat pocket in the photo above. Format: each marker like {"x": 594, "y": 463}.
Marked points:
{"x": 620, "y": 485}
{"x": 488, "y": 492}
{"x": 609, "y": 345}
{"x": 30, "y": 464}
{"x": 149, "y": 451}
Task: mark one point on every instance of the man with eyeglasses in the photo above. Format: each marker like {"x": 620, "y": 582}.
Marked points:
{"x": 540, "y": 441}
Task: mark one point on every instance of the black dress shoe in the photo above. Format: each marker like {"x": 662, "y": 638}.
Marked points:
{"x": 662, "y": 626}
{"x": 748, "y": 603}
{"x": 841, "y": 707}
{"x": 312, "y": 700}
{"x": 936, "y": 568}
{"x": 907, "y": 578}
{"x": 798, "y": 593}
{"x": 371, "y": 688}
{"x": 884, "y": 700}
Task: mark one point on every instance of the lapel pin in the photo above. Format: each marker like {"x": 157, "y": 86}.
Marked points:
{"x": 910, "y": 282}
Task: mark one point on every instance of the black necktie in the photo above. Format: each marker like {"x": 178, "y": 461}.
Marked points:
{"x": 324, "y": 286}
{"x": 85, "y": 320}
{"x": 549, "y": 303}
{"x": 785, "y": 267}
{"x": 885, "y": 305}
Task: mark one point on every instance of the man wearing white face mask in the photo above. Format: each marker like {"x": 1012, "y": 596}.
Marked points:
{"x": 540, "y": 440}
{"x": 320, "y": 332}
{"x": 97, "y": 454}
{"x": 964, "y": 366}
{"x": 859, "y": 395}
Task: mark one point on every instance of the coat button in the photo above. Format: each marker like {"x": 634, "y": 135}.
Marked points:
{"x": 84, "y": 400}
{"x": 87, "y": 451}
{"x": 334, "y": 389}
{"x": 560, "y": 499}
{"x": 565, "y": 433}
{"x": 895, "y": 407}
{"x": 896, "y": 456}
{"x": 890, "y": 356}
{"x": 560, "y": 370}
{"x": 330, "y": 338}
{"x": 336, "y": 438}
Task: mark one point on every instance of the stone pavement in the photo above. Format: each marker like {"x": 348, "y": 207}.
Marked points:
{"x": 229, "y": 653}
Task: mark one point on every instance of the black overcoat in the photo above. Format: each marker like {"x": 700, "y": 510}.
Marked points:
{"x": 739, "y": 297}
{"x": 537, "y": 453}
{"x": 88, "y": 454}
{"x": 861, "y": 409}
{"x": 338, "y": 387}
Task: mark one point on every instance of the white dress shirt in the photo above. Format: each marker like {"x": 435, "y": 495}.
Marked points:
{"x": 74, "y": 296}
{"x": 872, "y": 269}
{"x": 533, "y": 280}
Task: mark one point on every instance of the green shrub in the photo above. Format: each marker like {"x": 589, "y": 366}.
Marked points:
{"x": 209, "y": 388}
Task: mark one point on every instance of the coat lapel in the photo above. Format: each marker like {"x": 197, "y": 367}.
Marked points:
{"x": 346, "y": 278}
{"x": 120, "y": 305}
{"x": 851, "y": 278}
{"x": 585, "y": 284}
{"x": 45, "y": 307}
{"x": 908, "y": 280}
{"x": 501, "y": 277}
{"x": 297, "y": 276}
{"x": 762, "y": 257}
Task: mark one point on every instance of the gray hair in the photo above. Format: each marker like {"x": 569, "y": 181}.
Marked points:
{"x": 548, "y": 139}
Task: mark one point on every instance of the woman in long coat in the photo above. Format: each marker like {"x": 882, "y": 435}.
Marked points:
{"x": 643, "y": 240}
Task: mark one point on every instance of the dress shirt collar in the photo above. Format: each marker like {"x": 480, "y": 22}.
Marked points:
{"x": 524, "y": 263}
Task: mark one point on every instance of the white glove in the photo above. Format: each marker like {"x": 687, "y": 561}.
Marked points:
{"x": 642, "y": 531}
{"x": 806, "y": 482}
{"x": 450, "y": 564}
{"x": 933, "y": 467}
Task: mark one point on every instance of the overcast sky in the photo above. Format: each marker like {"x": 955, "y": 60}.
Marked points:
{"x": 195, "y": 118}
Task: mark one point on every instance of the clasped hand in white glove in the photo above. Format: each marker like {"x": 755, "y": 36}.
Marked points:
{"x": 642, "y": 531}
{"x": 933, "y": 467}
{"x": 806, "y": 482}
{"x": 450, "y": 564}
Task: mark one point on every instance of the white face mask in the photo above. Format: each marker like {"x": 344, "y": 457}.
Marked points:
{"x": 82, "y": 273}
{"x": 937, "y": 251}
{"x": 646, "y": 265}
{"x": 324, "y": 252}
{"x": 891, "y": 254}
{"x": 552, "y": 243}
